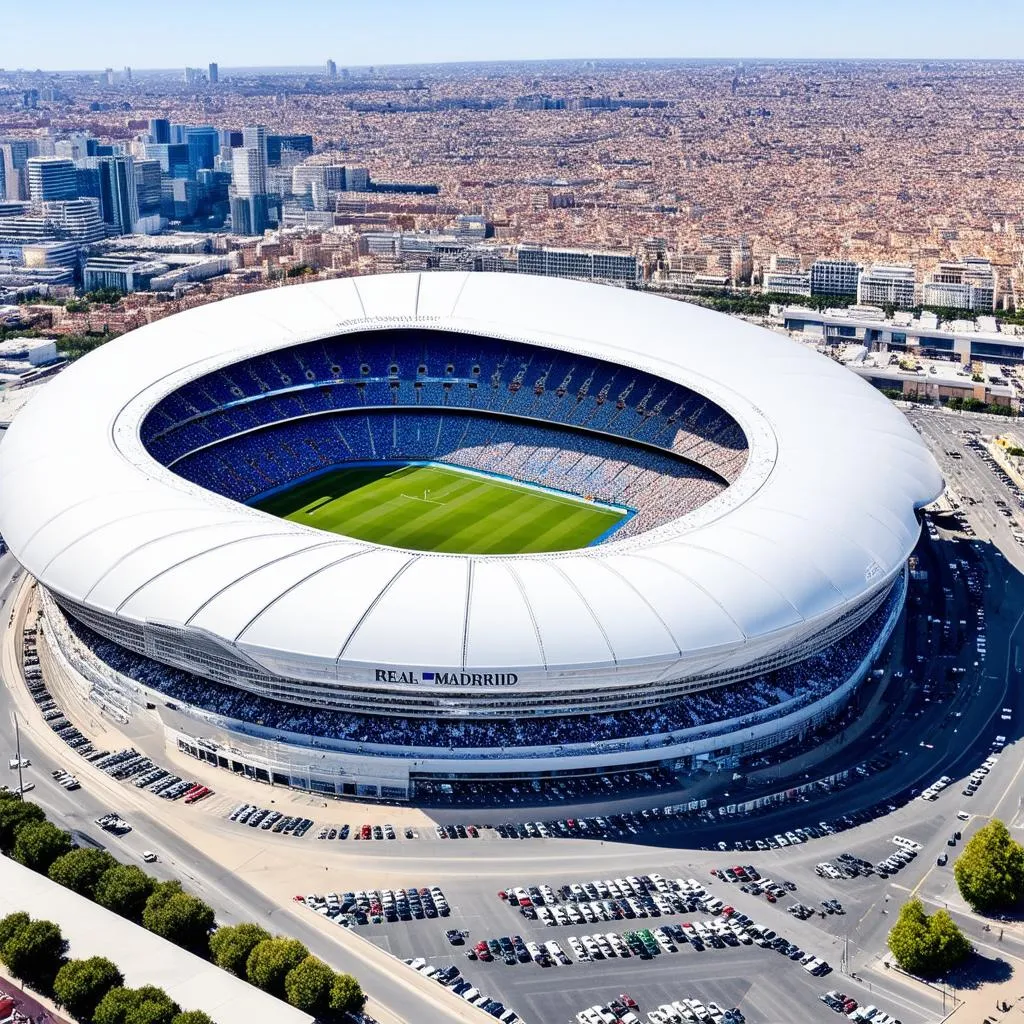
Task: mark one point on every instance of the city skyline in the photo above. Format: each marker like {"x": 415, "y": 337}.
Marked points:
{"x": 455, "y": 31}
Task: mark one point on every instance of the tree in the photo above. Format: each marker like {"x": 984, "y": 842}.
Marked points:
{"x": 179, "y": 917}
{"x": 15, "y": 814}
{"x": 146, "y": 1005}
{"x": 926, "y": 945}
{"x": 81, "y": 870}
{"x": 11, "y": 925}
{"x": 232, "y": 944}
{"x": 193, "y": 1017}
{"x": 80, "y": 985}
{"x": 951, "y": 945}
{"x": 124, "y": 889}
{"x": 270, "y": 961}
{"x": 909, "y": 938}
{"x": 346, "y": 994}
{"x": 35, "y": 954}
{"x": 39, "y": 844}
{"x": 308, "y": 986}
{"x": 990, "y": 871}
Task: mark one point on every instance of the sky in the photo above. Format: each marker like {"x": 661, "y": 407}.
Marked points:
{"x": 62, "y": 35}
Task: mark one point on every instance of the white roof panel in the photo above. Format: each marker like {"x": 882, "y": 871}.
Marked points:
{"x": 418, "y": 605}
{"x": 317, "y": 614}
{"x": 500, "y": 630}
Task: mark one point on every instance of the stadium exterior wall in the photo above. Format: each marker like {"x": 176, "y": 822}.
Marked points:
{"x": 376, "y": 771}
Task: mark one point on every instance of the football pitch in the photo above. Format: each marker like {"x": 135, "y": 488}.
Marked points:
{"x": 440, "y": 508}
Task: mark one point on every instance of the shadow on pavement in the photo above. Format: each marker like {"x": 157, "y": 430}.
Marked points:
{"x": 981, "y": 970}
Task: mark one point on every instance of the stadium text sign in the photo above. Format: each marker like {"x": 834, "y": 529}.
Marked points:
{"x": 390, "y": 675}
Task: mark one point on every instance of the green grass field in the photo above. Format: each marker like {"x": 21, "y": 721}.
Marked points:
{"x": 438, "y": 508}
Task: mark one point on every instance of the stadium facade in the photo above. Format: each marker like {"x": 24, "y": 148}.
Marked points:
{"x": 773, "y": 500}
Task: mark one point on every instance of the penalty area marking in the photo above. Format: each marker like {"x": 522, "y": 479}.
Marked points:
{"x": 416, "y": 497}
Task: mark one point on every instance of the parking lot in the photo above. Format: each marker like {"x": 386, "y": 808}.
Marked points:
{"x": 696, "y": 953}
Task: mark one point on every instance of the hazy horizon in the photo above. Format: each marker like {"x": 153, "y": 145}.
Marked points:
{"x": 110, "y": 33}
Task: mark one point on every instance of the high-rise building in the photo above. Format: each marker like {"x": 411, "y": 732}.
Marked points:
{"x": 332, "y": 69}
{"x": 203, "y": 145}
{"x": 255, "y": 137}
{"x": 160, "y": 130}
{"x": 357, "y": 179}
{"x": 888, "y": 284}
{"x": 249, "y": 215}
{"x": 213, "y": 72}
{"x": 277, "y": 144}
{"x": 193, "y": 76}
{"x": 119, "y": 198}
{"x": 51, "y": 177}
{"x": 835, "y": 277}
{"x": 108, "y": 76}
{"x": 969, "y": 284}
{"x": 248, "y": 172}
{"x": 127, "y": 73}
{"x": 250, "y": 203}
{"x": 14, "y": 154}
{"x": 147, "y": 183}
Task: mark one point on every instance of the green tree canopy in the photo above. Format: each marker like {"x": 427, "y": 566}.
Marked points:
{"x": 926, "y": 945}
{"x": 80, "y": 985}
{"x": 146, "y": 1005}
{"x": 15, "y": 814}
{"x": 951, "y": 945}
{"x": 11, "y": 925}
{"x": 990, "y": 870}
{"x": 179, "y": 917}
{"x": 270, "y": 961}
{"x": 193, "y": 1017}
{"x": 39, "y": 844}
{"x": 347, "y": 995}
{"x": 124, "y": 889}
{"x": 232, "y": 944}
{"x": 35, "y": 954}
{"x": 81, "y": 870}
{"x": 308, "y": 986}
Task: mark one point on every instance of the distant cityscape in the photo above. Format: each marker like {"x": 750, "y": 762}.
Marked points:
{"x": 891, "y": 185}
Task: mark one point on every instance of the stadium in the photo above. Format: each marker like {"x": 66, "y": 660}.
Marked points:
{"x": 380, "y": 535}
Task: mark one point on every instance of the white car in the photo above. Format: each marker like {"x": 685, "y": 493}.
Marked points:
{"x": 907, "y": 844}
{"x": 148, "y": 856}
{"x": 13, "y": 763}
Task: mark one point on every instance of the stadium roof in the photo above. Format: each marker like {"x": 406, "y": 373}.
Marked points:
{"x": 821, "y": 515}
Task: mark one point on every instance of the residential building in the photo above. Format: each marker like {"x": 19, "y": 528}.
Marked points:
{"x": 787, "y": 282}
{"x": 835, "y": 277}
{"x": 969, "y": 284}
{"x": 588, "y": 264}
{"x": 888, "y": 284}
{"x": 126, "y": 273}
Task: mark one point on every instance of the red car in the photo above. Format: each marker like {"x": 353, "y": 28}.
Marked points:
{"x": 628, "y": 1000}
